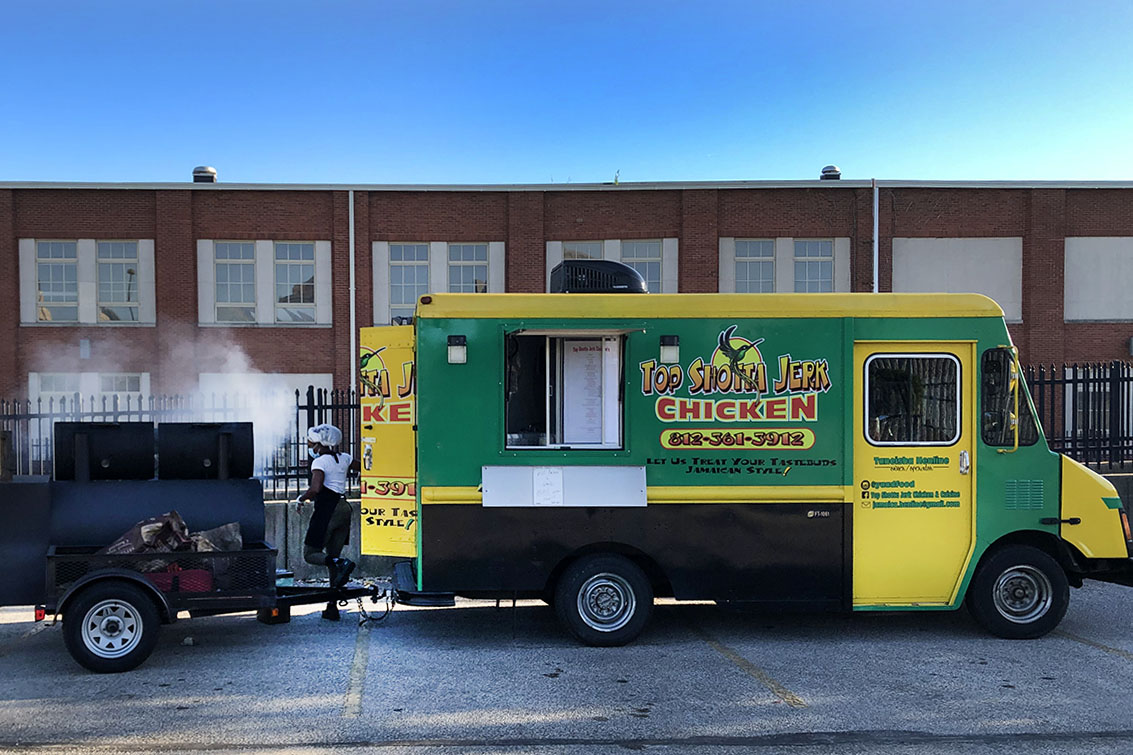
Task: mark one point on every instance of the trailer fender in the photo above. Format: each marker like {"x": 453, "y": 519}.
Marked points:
{"x": 168, "y": 615}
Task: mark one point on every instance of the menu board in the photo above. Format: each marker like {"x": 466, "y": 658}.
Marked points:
{"x": 582, "y": 391}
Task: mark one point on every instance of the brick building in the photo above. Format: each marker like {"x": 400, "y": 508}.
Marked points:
{"x": 169, "y": 288}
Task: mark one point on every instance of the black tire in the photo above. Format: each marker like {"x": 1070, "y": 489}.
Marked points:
{"x": 111, "y": 627}
{"x": 604, "y": 600}
{"x": 1019, "y": 593}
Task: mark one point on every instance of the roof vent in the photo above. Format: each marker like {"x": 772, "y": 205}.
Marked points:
{"x": 596, "y": 277}
{"x": 831, "y": 173}
{"x": 203, "y": 174}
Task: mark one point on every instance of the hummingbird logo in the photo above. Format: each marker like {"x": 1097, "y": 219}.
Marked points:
{"x": 735, "y": 352}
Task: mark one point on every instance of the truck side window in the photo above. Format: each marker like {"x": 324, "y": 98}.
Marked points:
{"x": 913, "y": 399}
{"x": 997, "y": 403}
{"x": 563, "y": 391}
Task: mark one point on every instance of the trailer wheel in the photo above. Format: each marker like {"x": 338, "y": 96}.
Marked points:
{"x": 604, "y": 600}
{"x": 111, "y": 627}
{"x": 1019, "y": 593}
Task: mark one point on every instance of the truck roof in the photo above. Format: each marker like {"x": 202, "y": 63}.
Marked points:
{"x": 688, "y": 306}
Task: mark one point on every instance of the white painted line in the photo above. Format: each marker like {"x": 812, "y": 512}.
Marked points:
{"x": 352, "y": 706}
{"x": 1105, "y": 648}
{"x": 752, "y": 670}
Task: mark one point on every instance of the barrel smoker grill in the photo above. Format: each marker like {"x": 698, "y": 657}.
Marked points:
{"x": 108, "y": 478}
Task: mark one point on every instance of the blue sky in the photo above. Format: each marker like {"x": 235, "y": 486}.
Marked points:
{"x": 383, "y": 91}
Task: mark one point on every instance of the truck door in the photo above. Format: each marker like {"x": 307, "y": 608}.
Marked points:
{"x": 914, "y": 470}
{"x": 388, "y": 389}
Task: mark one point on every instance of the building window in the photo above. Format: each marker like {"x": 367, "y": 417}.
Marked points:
{"x": 755, "y": 266}
{"x": 57, "y": 281}
{"x": 468, "y": 268}
{"x": 119, "y": 392}
{"x": 814, "y": 266}
{"x": 295, "y": 282}
{"x": 120, "y": 383}
{"x": 235, "y": 281}
{"x": 118, "y": 281}
{"x": 645, "y": 258}
{"x": 56, "y": 387}
{"x": 408, "y": 278}
{"x": 582, "y": 250}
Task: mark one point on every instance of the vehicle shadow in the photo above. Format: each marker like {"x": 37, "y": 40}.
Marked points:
{"x": 482, "y": 624}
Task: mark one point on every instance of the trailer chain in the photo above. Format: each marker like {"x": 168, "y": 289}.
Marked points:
{"x": 365, "y": 616}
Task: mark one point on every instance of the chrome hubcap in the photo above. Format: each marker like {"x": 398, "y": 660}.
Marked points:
{"x": 606, "y": 602}
{"x": 111, "y": 629}
{"x": 1022, "y": 594}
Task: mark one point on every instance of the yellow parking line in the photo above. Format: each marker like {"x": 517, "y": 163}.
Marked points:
{"x": 352, "y": 707}
{"x": 752, "y": 670}
{"x": 1104, "y": 648}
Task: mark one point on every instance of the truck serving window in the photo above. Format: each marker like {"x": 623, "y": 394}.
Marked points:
{"x": 912, "y": 399}
{"x": 563, "y": 391}
{"x": 998, "y": 403}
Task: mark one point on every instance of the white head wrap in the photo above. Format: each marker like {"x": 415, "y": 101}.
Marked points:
{"x": 326, "y": 435}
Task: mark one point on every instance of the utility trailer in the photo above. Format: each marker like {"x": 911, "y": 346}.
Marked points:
{"x": 113, "y": 605}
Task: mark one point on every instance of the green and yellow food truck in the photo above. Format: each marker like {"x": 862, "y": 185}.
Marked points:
{"x": 864, "y": 452}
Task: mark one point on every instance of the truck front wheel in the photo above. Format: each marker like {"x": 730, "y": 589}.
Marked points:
{"x": 1019, "y": 593}
{"x": 110, "y": 627}
{"x": 604, "y": 600}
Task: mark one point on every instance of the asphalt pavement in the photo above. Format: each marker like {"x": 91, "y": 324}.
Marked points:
{"x": 481, "y": 679}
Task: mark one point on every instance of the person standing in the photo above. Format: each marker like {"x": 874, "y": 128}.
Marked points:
{"x": 329, "y": 529}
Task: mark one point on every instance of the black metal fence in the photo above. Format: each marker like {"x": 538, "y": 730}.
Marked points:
{"x": 1086, "y": 410}
{"x": 280, "y": 423}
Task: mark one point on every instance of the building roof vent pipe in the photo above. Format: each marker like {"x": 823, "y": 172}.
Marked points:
{"x": 204, "y": 174}
{"x": 831, "y": 173}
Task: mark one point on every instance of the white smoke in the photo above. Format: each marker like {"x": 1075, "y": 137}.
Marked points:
{"x": 206, "y": 373}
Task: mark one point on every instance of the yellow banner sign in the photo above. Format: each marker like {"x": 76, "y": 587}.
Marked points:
{"x": 801, "y": 439}
{"x": 388, "y": 387}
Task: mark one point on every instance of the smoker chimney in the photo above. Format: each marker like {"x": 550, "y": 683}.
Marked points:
{"x": 203, "y": 174}
{"x": 831, "y": 173}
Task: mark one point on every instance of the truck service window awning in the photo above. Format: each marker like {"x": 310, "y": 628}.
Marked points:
{"x": 575, "y": 332}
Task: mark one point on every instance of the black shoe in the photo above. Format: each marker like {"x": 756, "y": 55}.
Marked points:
{"x": 330, "y": 613}
{"x": 332, "y": 570}
{"x": 344, "y": 568}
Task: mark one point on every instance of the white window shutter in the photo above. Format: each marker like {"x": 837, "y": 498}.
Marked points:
{"x": 727, "y": 276}
{"x": 147, "y": 299}
{"x": 497, "y": 267}
{"x": 324, "y": 310}
{"x": 554, "y": 257}
{"x": 380, "y": 250}
{"x": 28, "y": 303}
{"x": 265, "y": 282}
{"x": 206, "y": 281}
{"x": 87, "y": 250}
{"x": 670, "y": 266}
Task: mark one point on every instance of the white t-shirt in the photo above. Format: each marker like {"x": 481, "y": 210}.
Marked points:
{"x": 334, "y": 474}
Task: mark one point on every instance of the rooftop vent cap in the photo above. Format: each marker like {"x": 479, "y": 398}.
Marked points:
{"x": 831, "y": 173}
{"x": 204, "y": 174}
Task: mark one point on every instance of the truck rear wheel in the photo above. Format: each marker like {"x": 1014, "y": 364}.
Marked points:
{"x": 1019, "y": 593}
{"x": 111, "y": 627}
{"x": 604, "y": 600}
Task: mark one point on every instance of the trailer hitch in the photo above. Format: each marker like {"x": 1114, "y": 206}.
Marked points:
{"x": 377, "y": 593}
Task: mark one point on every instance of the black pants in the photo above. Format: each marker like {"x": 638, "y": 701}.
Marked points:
{"x": 337, "y": 529}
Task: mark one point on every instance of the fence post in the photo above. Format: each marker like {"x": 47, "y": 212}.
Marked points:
{"x": 1114, "y": 409}
{"x": 311, "y": 406}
